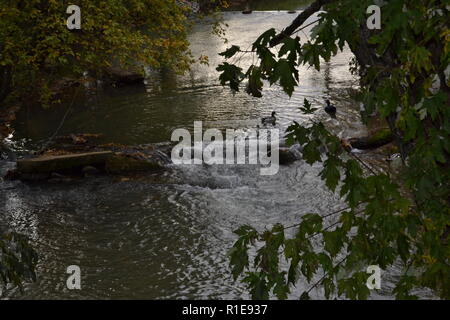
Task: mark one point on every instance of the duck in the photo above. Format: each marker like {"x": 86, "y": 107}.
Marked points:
{"x": 329, "y": 108}
{"x": 247, "y": 10}
{"x": 269, "y": 120}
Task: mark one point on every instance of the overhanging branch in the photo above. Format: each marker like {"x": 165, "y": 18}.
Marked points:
{"x": 301, "y": 18}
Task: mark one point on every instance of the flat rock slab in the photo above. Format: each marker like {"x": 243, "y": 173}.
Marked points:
{"x": 62, "y": 163}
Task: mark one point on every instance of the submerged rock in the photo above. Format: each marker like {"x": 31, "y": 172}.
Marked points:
{"x": 122, "y": 77}
{"x": 376, "y": 140}
{"x": 121, "y": 163}
{"x": 30, "y": 176}
{"x": 58, "y": 178}
{"x": 286, "y": 156}
{"x": 90, "y": 170}
{"x": 11, "y": 174}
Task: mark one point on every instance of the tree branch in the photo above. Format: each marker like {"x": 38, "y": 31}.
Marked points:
{"x": 301, "y": 18}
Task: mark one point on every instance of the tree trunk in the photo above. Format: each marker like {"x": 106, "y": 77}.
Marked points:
{"x": 5, "y": 83}
{"x": 5, "y": 79}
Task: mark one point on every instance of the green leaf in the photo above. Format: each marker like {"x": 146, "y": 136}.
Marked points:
{"x": 257, "y": 285}
{"x": 334, "y": 241}
{"x": 329, "y": 287}
{"x": 305, "y": 296}
{"x": 264, "y": 39}
{"x": 420, "y": 58}
{"x": 254, "y": 86}
{"x": 230, "y": 52}
{"x": 311, "y": 55}
{"x": 311, "y": 223}
{"x": 231, "y": 75}
{"x": 268, "y": 61}
{"x": 281, "y": 289}
{"x": 286, "y": 73}
{"x": 291, "y": 48}
{"x": 330, "y": 172}
{"x": 297, "y": 133}
{"x": 311, "y": 153}
{"x": 307, "y": 107}
{"x": 238, "y": 260}
{"x": 326, "y": 262}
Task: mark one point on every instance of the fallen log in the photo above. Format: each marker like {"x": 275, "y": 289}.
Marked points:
{"x": 109, "y": 159}
{"x": 62, "y": 163}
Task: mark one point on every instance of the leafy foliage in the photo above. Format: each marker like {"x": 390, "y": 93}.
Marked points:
{"x": 390, "y": 219}
{"x": 307, "y": 107}
{"x": 37, "y": 49}
{"x": 17, "y": 260}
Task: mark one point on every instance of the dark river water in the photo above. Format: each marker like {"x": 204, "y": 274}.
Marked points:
{"x": 166, "y": 235}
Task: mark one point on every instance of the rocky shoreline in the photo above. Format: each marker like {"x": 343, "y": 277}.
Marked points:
{"x": 78, "y": 156}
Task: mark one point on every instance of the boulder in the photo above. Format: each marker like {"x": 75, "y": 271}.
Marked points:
{"x": 376, "y": 140}
{"x": 90, "y": 170}
{"x": 286, "y": 156}
{"x": 122, "y": 77}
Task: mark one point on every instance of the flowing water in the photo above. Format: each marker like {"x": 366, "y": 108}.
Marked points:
{"x": 166, "y": 235}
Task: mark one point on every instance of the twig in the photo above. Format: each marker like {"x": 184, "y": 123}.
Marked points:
{"x": 301, "y": 18}
{"x": 325, "y": 216}
{"x": 324, "y": 276}
{"x": 363, "y": 163}
{"x": 306, "y": 26}
{"x": 61, "y": 123}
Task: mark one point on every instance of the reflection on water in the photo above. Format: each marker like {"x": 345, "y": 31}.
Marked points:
{"x": 264, "y": 5}
{"x": 166, "y": 235}
{"x": 149, "y": 113}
